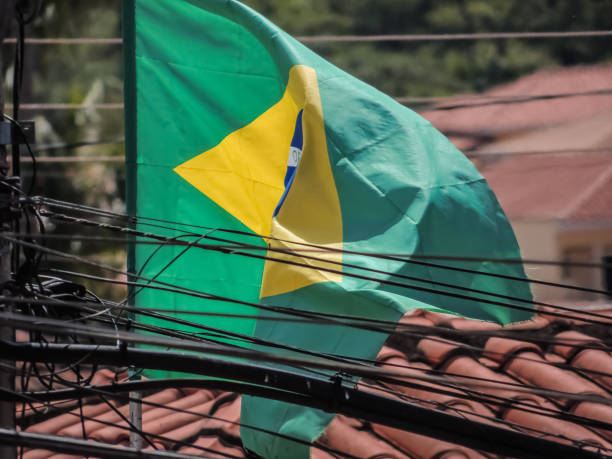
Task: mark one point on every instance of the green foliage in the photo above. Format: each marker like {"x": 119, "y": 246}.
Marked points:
{"x": 440, "y": 68}
{"x": 70, "y": 74}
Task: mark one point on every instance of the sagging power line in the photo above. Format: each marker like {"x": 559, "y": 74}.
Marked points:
{"x": 360, "y": 38}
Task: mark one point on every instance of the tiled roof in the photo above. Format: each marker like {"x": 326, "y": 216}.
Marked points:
{"x": 573, "y": 186}
{"x": 544, "y": 364}
{"x": 505, "y": 118}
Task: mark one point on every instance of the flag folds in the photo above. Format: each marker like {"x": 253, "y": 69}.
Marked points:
{"x": 234, "y": 125}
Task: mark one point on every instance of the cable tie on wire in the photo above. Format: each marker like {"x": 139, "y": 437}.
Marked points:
{"x": 123, "y": 345}
{"x": 336, "y": 392}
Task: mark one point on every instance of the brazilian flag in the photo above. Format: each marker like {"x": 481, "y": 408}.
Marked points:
{"x": 233, "y": 124}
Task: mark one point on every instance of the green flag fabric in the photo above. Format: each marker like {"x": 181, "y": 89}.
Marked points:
{"x": 233, "y": 124}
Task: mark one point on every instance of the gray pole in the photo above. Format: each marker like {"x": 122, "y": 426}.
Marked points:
{"x": 7, "y": 378}
{"x": 135, "y": 415}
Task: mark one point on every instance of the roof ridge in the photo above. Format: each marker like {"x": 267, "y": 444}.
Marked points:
{"x": 585, "y": 195}
{"x": 554, "y": 70}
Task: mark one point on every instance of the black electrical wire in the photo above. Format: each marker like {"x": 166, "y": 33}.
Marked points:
{"x": 174, "y": 241}
{"x": 413, "y": 287}
{"x": 416, "y": 331}
{"x": 83, "y": 448}
{"x": 16, "y": 161}
{"x": 393, "y": 327}
{"x": 466, "y": 413}
{"x": 274, "y": 397}
{"x": 74, "y": 145}
{"x": 255, "y": 390}
{"x": 308, "y": 247}
{"x": 489, "y": 401}
{"x": 223, "y": 350}
{"x": 473, "y": 348}
{"x": 432, "y": 102}
{"x": 366, "y": 323}
{"x": 167, "y": 265}
{"x": 7, "y": 394}
{"x": 112, "y": 390}
{"x": 228, "y": 248}
{"x": 148, "y": 434}
{"x": 135, "y": 292}
{"x": 344, "y": 400}
{"x": 131, "y": 426}
{"x": 320, "y": 247}
{"x": 488, "y": 398}
{"x": 501, "y": 100}
{"x": 475, "y": 153}
{"x": 23, "y": 17}
{"x": 115, "y": 391}
{"x": 274, "y": 393}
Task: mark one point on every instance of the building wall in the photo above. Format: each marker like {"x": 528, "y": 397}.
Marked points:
{"x": 596, "y": 242}
{"x": 538, "y": 241}
{"x": 548, "y": 240}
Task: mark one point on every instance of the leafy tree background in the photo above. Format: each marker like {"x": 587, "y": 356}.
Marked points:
{"x": 87, "y": 74}
{"x": 443, "y": 68}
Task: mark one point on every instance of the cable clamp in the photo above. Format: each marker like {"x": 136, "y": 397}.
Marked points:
{"x": 10, "y": 208}
{"x": 21, "y": 133}
{"x": 336, "y": 392}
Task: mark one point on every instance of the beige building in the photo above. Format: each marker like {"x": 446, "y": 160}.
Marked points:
{"x": 549, "y": 161}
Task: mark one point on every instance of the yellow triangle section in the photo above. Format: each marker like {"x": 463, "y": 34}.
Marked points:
{"x": 244, "y": 175}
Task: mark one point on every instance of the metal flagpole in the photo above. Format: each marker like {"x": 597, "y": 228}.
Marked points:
{"x": 129, "y": 92}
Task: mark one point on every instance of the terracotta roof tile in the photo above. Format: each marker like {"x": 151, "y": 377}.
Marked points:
{"x": 425, "y": 393}
{"x": 213, "y": 443}
{"x": 160, "y": 420}
{"x": 570, "y": 342}
{"x": 575, "y": 318}
{"x": 37, "y": 454}
{"x": 64, "y": 456}
{"x": 600, "y": 364}
{"x": 551, "y": 426}
{"x": 488, "y": 363}
{"x": 598, "y": 412}
{"x": 425, "y": 447}
{"x": 554, "y": 358}
{"x": 594, "y": 361}
{"x": 438, "y": 350}
{"x": 459, "y": 323}
{"x": 527, "y": 364}
{"x": 501, "y": 350}
{"x": 387, "y": 353}
{"x": 438, "y": 318}
{"x": 343, "y": 435}
{"x": 229, "y": 411}
{"x": 75, "y": 430}
{"x": 57, "y": 423}
{"x": 508, "y": 389}
{"x": 537, "y": 323}
{"x": 416, "y": 318}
